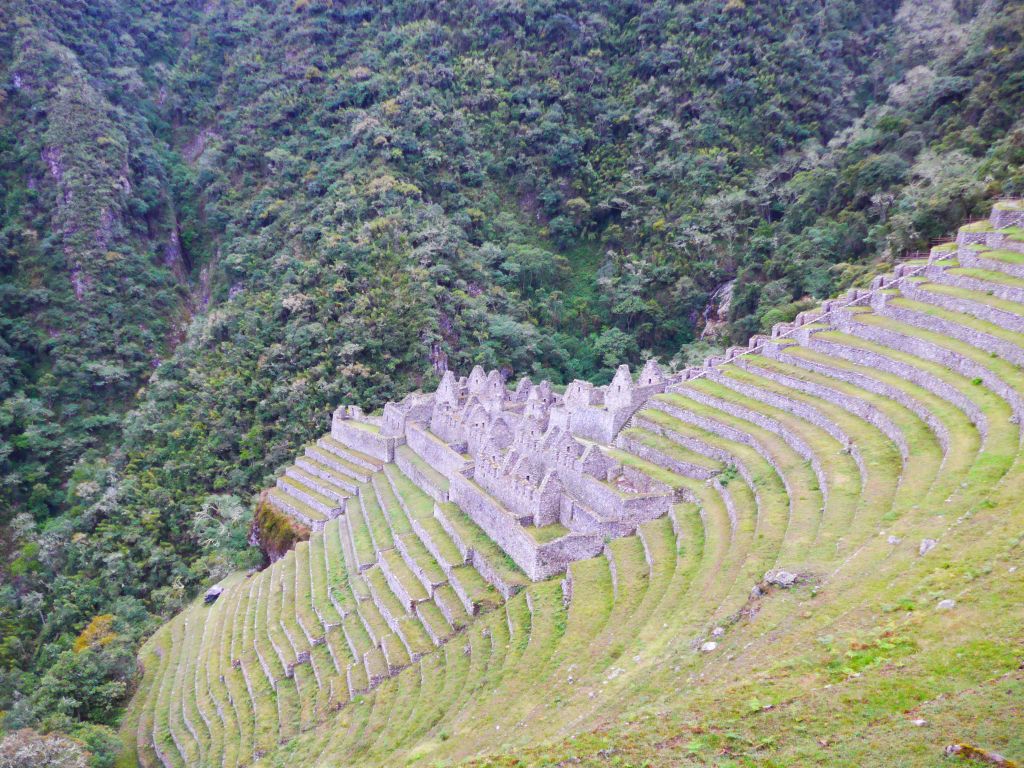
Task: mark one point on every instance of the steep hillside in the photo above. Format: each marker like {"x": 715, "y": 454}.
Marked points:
{"x": 221, "y": 219}
{"x": 808, "y": 551}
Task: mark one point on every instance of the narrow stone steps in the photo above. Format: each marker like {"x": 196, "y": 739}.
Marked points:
{"x": 332, "y": 456}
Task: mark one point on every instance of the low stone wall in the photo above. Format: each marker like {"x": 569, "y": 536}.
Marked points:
{"x": 855, "y": 405}
{"x": 581, "y": 519}
{"x": 980, "y": 339}
{"x": 647, "y": 453}
{"x": 947, "y": 358}
{"x": 910, "y": 373}
{"x": 437, "y": 453}
{"x": 799, "y": 408}
{"x": 1006, "y": 217}
{"x": 501, "y": 526}
{"x": 421, "y": 480}
{"x": 360, "y": 437}
{"x": 630, "y": 509}
{"x": 999, "y": 290}
{"x": 1009, "y": 320}
{"x": 969, "y": 258}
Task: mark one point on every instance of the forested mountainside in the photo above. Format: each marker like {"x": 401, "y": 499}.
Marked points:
{"x": 221, "y": 219}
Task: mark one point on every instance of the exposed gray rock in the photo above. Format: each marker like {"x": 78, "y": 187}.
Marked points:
{"x": 780, "y": 578}
{"x": 927, "y": 545}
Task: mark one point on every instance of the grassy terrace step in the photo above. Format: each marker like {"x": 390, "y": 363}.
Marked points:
{"x": 999, "y": 372}
{"x": 433, "y": 621}
{"x": 420, "y": 561}
{"x": 395, "y": 654}
{"x": 404, "y": 583}
{"x": 345, "y": 472}
{"x": 435, "y": 478}
{"x": 393, "y": 512}
{"x": 451, "y": 606}
{"x": 475, "y": 545}
{"x": 413, "y": 501}
{"x": 677, "y": 454}
{"x": 293, "y": 630}
{"x": 975, "y": 296}
{"x": 924, "y": 451}
{"x": 999, "y": 254}
{"x": 353, "y": 456}
{"x": 357, "y": 636}
{"x": 997, "y": 448}
{"x": 335, "y": 566}
{"x": 307, "y": 617}
{"x": 477, "y": 595}
{"x": 589, "y": 582}
{"x": 360, "y": 539}
{"x": 988, "y": 276}
{"x": 349, "y": 460}
{"x": 293, "y": 485}
{"x": 260, "y": 668}
{"x": 320, "y": 584}
{"x": 286, "y": 503}
{"x": 374, "y": 621}
{"x": 380, "y": 531}
{"x": 267, "y": 639}
{"x": 882, "y": 462}
{"x": 324, "y": 486}
{"x": 311, "y": 463}
{"x": 437, "y": 541}
{"x": 799, "y": 484}
{"x": 753, "y": 547}
{"x": 417, "y": 639}
{"x": 391, "y": 609}
{"x": 1011, "y": 338}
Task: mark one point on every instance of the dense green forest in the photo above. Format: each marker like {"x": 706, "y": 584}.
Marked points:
{"x": 220, "y": 220}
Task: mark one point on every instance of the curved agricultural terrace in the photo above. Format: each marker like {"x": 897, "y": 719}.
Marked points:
{"x": 805, "y": 552}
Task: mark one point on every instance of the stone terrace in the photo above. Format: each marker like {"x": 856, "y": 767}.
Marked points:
{"x": 423, "y": 605}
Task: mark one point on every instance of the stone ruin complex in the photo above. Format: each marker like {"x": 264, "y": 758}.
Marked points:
{"x": 528, "y": 465}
